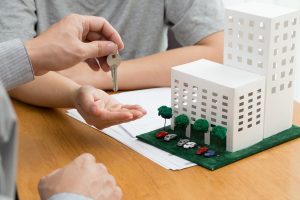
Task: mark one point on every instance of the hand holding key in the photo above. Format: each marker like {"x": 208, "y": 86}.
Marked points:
{"x": 113, "y": 61}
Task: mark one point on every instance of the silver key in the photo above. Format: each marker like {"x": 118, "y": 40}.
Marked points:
{"x": 113, "y": 61}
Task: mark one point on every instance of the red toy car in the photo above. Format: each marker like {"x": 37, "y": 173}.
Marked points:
{"x": 161, "y": 134}
{"x": 202, "y": 150}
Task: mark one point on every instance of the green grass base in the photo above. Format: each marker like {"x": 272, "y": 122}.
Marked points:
{"x": 223, "y": 157}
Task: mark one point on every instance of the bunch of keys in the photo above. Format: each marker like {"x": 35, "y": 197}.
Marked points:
{"x": 113, "y": 61}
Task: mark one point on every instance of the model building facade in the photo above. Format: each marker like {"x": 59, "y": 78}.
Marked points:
{"x": 261, "y": 38}
{"x": 252, "y": 93}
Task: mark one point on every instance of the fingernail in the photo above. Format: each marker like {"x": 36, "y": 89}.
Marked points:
{"x": 112, "y": 47}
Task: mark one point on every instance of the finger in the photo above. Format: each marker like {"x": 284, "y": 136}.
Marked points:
{"x": 52, "y": 173}
{"x": 103, "y": 64}
{"x": 117, "y": 194}
{"x": 109, "y": 116}
{"x": 135, "y": 107}
{"x": 84, "y": 159}
{"x": 101, "y": 167}
{"x": 101, "y": 25}
{"x": 93, "y": 64}
{"x": 98, "y": 49}
{"x": 92, "y": 36}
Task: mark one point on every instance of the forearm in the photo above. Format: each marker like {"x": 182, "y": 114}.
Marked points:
{"x": 155, "y": 70}
{"x": 50, "y": 90}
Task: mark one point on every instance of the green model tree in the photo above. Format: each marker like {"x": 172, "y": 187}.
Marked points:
{"x": 201, "y": 126}
{"x": 219, "y": 132}
{"x": 181, "y": 122}
{"x": 166, "y": 113}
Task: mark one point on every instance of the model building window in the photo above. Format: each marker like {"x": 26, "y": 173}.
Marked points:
{"x": 239, "y": 59}
{"x": 294, "y": 21}
{"x": 277, "y": 25}
{"x": 251, "y": 23}
{"x": 249, "y": 61}
{"x": 260, "y": 52}
{"x": 224, "y": 123}
{"x": 176, "y": 81}
{"x": 293, "y": 47}
{"x": 194, "y": 107}
{"x": 285, "y": 36}
{"x": 259, "y": 64}
{"x": 203, "y": 116}
{"x": 292, "y": 59}
{"x": 283, "y": 62}
{"x": 293, "y": 34}
{"x": 250, "y": 49}
{"x": 195, "y": 88}
{"x": 224, "y": 110}
{"x": 250, "y": 36}
{"x": 281, "y": 87}
{"x": 261, "y": 25}
{"x": 276, "y": 38}
{"x": 261, "y": 38}
{"x": 284, "y": 49}
{"x": 241, "y": 22}
{"x": 273, "y": 90}
{"x": 290, "y": 84}
{"x": 185, "y": 84}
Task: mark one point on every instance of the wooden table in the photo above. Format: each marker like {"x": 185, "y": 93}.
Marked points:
{"x": 49, "y": 139}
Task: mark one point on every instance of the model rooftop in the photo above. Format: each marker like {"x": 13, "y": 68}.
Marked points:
{"x": 218, "y": 73}
{"x": 262, "y": 10}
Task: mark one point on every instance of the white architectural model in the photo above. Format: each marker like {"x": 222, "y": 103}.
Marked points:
{"x": 252, "y": 93}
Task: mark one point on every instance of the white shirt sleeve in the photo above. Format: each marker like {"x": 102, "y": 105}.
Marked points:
{"x": 68, "y": 196}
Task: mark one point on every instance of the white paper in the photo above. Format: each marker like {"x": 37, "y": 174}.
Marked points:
{"x": 149, "y": 99}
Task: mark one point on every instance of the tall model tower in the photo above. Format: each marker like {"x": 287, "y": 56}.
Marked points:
{"x": 261, "y": 38}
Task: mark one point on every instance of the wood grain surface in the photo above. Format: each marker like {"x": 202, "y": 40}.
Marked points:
{"x": 49, "y": 139}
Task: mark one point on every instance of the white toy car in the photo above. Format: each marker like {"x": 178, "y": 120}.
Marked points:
{"x": 170, "y": 137}
{"x": 189, "y": 145}
{"x": 181, "y": 142}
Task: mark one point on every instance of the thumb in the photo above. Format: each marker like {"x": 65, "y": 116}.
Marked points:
{"x": 98, "y": 49}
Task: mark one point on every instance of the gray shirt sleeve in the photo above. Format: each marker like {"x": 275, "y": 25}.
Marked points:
{"x": 15, "y": 66}
{"x": 17, "y": 19}
{"x": 193, "y": 20}
{"x": 8, "y": 146}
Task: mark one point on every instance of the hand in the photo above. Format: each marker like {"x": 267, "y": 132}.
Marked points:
{"x": 82, "y": 176}
{"x": 74, "y": 39}
{"x": 102, "y": 110}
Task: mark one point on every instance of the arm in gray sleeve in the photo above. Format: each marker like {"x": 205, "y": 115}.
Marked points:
{"x": 68, "y": 196}
{"x": 8, "y": 146}
{"x": 17, "y": 19}
{"x": 15, "y": 66}
{"x": 193, "y": 20}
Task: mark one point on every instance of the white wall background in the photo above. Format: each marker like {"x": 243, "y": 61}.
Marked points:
{"x": 286, "y": 3}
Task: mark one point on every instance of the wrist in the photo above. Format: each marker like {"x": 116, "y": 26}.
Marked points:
{"x": 36, "y": 56}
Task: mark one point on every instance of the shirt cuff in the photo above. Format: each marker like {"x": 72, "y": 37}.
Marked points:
{"x": 15, "y": 65}
{"x": 68, "y": 196}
